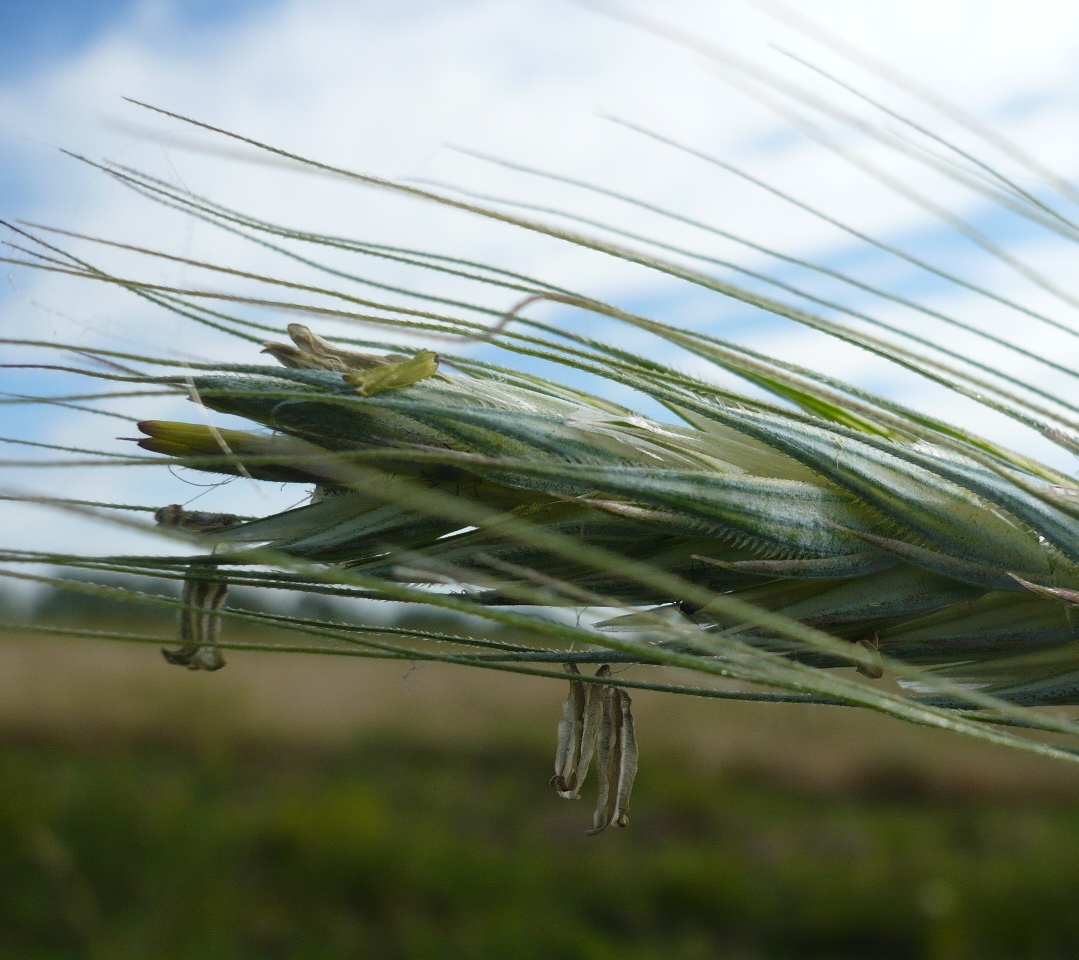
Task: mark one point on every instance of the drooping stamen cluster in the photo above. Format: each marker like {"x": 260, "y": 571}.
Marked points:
{"x": 597, "y": 721}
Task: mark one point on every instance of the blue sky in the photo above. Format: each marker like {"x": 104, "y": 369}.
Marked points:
{"x": 38, "y": 33}
{"x": 43, "y": 35}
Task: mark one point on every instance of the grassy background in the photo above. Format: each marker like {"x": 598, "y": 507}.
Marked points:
{"x": 319, "y": 807}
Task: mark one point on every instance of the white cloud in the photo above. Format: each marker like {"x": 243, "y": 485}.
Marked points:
{"x": 383, "y": 87}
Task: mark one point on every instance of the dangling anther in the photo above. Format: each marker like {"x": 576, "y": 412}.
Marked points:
{"x": 200, "y": 626}
{"x": 200, "y": 622}
{"x": 616, "y": 758}
{"x": 196, "y": 520}
{"x": 581, "y": 715}
{"x": 873, "y": 670}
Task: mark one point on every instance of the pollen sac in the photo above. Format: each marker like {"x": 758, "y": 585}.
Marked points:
{"x": 617, "y": 761}
{"x": 874, "y": 670}
{"x": 200, "y": 626}
{"x": 200, "y": 623}
{"x": 597, "y": 722}
{"x": 308, "y": 351}
{"x": 581, "y": 714}
{"x": 394, "y": 376}
{"x": 195, "y": 520}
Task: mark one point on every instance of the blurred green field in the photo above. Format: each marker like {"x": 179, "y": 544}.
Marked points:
{"x": 318, "y": 807}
